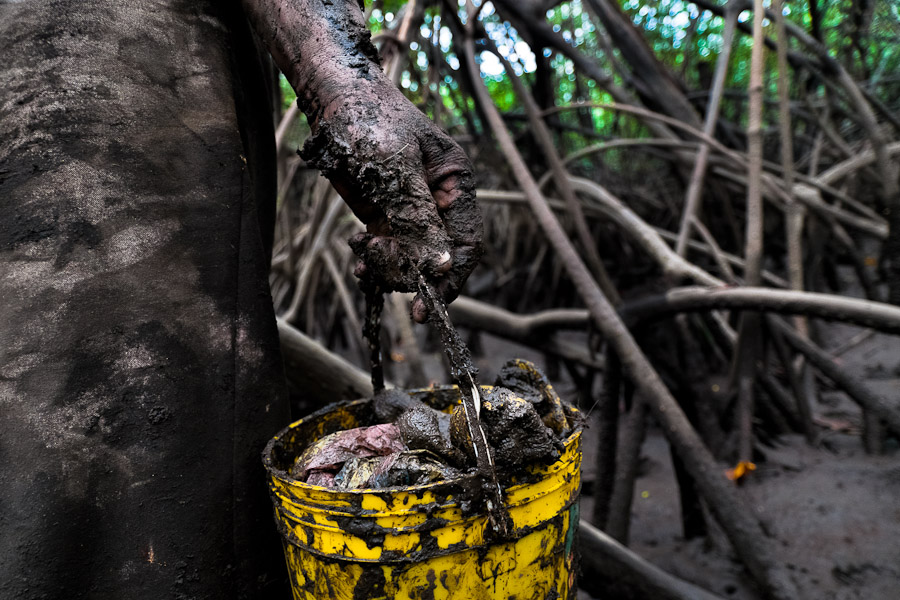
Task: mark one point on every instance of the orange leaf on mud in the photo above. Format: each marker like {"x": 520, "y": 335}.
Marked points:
{"x": 740, "y": 470}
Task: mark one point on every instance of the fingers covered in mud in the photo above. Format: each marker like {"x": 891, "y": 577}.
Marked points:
{"x": 414, "y": 220}
{"x": 432, "y": 226}
{"x": 452, "y": 183}
{"x": 392, "y": 262}
{"x": 413, "y": 187}
{"x": 410, "y": 240}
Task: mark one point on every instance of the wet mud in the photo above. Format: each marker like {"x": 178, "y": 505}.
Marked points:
{"x": 529, "y": 383}
{"x": 517, "y": 435}
{"x": 372, "y": 331}
{"x": 424, "y": 444}
{"x": 415, "y": 444}
{"x": 424, "y": 428}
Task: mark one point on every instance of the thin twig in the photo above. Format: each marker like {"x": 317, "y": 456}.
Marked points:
{"x": 695, "y": 187}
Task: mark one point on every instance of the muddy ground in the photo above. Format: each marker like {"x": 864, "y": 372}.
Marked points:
{"x": 834, "y": 510}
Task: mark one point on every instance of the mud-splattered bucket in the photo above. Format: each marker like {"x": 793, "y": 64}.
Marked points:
{"x": 415, "y": 542}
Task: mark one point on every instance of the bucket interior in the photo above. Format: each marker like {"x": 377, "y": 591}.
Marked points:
{"x": 284, "y": 449}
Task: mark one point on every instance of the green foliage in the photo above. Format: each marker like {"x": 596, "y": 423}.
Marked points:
{"x": 683, "y": 37}
{"x": 288, "y": 96}
{"x": 502, "y": 92}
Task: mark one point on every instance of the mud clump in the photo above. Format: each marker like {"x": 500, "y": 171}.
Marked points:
{"x": 423, "y": 428}
{"x": 388, "y": 405}
{"x": 516, "y": 433}
{"x": 529, "y": 383}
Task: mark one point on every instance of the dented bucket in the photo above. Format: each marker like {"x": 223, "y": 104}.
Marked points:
{"x": 416, "y": 542}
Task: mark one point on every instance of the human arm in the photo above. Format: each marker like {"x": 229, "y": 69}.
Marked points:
{"x": 402, "y": 176}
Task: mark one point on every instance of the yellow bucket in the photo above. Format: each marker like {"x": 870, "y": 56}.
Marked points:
{"x": 415, "y": 542}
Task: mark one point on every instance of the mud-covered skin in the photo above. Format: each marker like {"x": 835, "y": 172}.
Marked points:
{"x": 321, "y": 46}
{"x": 411, "y": 185}
{"x": 403, "y": 177}
{"x": 139, "y": 365}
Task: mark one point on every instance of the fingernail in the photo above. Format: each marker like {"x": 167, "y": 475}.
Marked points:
{"x": 443, "y": 262}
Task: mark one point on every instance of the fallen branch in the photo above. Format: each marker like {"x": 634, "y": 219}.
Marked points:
{"x": 877, "y": 315}
{"x": 857, "y": 390}
{"x": 316, "y": 372}
{"x": 605, "y": 557}
{"x": 853, "y": 164}
{"x": 535, "y": 330}
{"x": 671, "y": 264}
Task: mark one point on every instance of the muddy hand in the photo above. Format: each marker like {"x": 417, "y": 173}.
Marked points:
{"x": 409, "y": 183}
